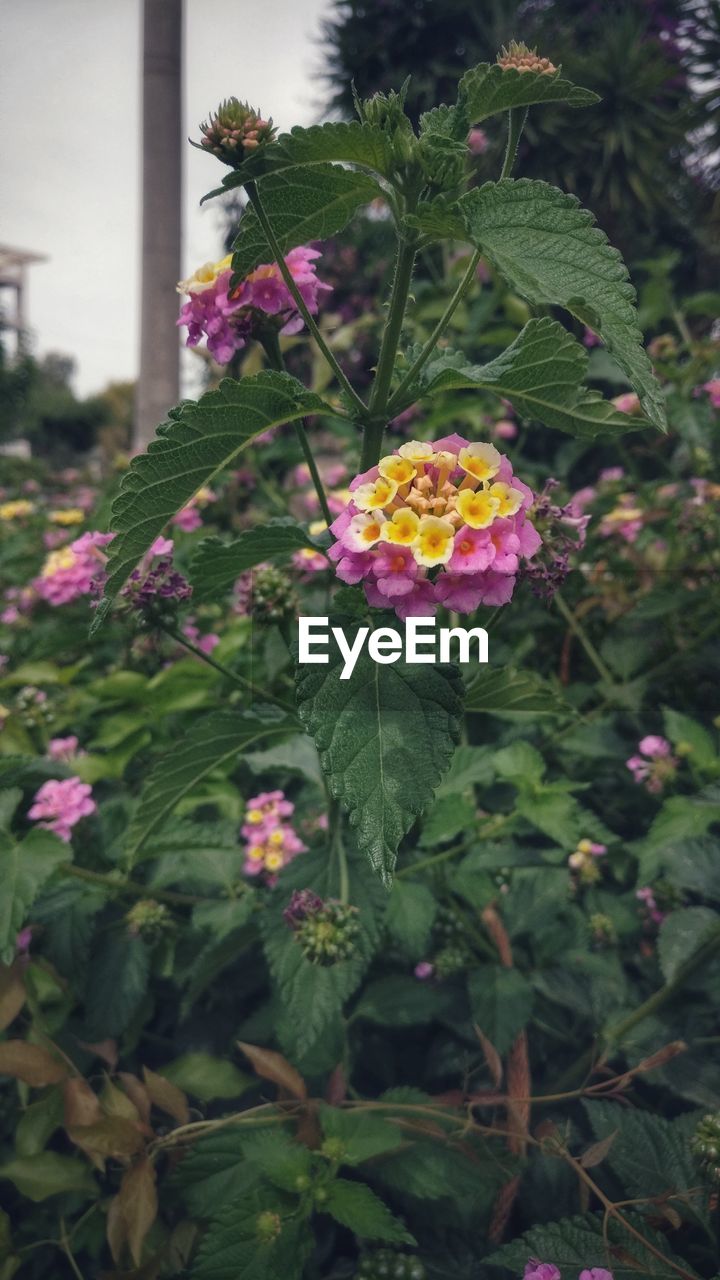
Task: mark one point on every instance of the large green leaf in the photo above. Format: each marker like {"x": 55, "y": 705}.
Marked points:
{"x": 542, "y": 373}
{"x": 217, "y": 738}
{"x": 233, "y": 1245}
{"x": 548, "y": 248}
{"x": 311, "y": 996}
{"x": 354, "y": 1205}
{"x": 500, "y": 1003}
{"x": 489, "y": 88}
{"x": 216, "y": 565}
{"x": 504, "y": 690}
{"x": 681, "y": 934}
{"x": 645, "y": 1149}
{"x": 116, "y": 984}
{"x": 386, "y": 737}
{"x": 582, "y": 1243}
{"x": 24, "y": 868}
{"x": 348, "y": 143}
{"x": 48, "y": 1174}
{"x": 198, "y": 441}
{"x": 301, "y": 205}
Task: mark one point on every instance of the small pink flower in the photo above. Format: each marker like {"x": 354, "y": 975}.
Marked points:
{"x": 424, "y": 970}
{"x": 477, "y": 141}
{"x": 61, "y": 803}
{"x": 653, "y": 745}
{"x": 504, "y": 429}
{"x": 188, "y": 518}
{"x": 628, "y": 402}
{"x": 596, "y": 1273}
{"x": 536, "y": 1270}
{"x": 655, "y": 765}
{"x": 713, "y": 390}
{"x": 63, "y": 748}
{"x": 609, "y": 475}
{"x": 395, "y": 571}
{"x": 23, "y": 940}
{"x": 591, "y": 339}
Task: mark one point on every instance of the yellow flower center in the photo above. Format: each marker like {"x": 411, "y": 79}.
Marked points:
{"x": 478, "y": 510}
{"x": 403, "y": 528}
{"x": 401, "y": 470}
{"x": 481, "y": 461}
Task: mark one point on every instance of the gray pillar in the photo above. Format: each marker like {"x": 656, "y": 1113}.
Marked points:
{"x": 158, "y": 383}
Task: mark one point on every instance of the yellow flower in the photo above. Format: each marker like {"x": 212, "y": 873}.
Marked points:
{"x": 68, "y": 516}
{"x": 403, "y": 528}
{"x": 510, "y": 499}
{"x": 401, "y": 470}
{"x": 363, "y": 532}
{"x": 416, "y": 451}
{"x": 481, "y": 461}
{"x": 273, "y": 861}
{"x": 317, "y": 527}
{"x": 13, "y": 510}
{"x": 374, "y": 495}
{"x": 256, "y": 852}
{"x": 205, "y": 276}
{"x": 478, "y": 510}
{"x": 204, "y": 495}
{"x": 254, "y": 817}
{"x": 276, "y": 838}
{"x": 434, "y": 543}
{"x": 62, "y": 559}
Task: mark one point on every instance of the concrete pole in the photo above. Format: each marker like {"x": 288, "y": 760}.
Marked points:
{"x": 158, "y": 382}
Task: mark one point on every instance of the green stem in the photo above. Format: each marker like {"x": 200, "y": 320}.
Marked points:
{"x": 378, "y": 406}
{"x": 440, "y": 327}
{"x": 579, "y": 631}
{"x": 271, "y": 346}
{"x": 338, "y": 850}
{"x": 615, "y": 1035}
{"x": 131, "y": 889}
{"x": 300, "y": 303}
{"x": 246, "y": 685}
{"x": 494, "y": 825}
{"x": 516, "y": 123}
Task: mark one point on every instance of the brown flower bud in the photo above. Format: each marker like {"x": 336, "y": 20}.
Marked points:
{"x": 517, "y": 55}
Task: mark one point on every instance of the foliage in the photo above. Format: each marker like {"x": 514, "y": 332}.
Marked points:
{"x": 414, "y": 972}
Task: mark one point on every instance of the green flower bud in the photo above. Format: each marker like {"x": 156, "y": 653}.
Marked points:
{"x": 149, "y": 920}
{"x": 268, "y": 1226}
{"x": 705, "y": 1146}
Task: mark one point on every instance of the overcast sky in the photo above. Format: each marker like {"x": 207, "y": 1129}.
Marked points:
{"x": 69, "y": 122}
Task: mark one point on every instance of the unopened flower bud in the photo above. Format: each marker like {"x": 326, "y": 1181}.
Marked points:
{"x": 268, "y": 1226}
{"x": 234, "y": 130}
{"x": 517, "y": 55}
{"x": 705, "y": 1146}
{"x": 148, "y": 920}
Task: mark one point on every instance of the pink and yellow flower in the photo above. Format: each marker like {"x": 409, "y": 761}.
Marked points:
{"x": 435, "y": 523}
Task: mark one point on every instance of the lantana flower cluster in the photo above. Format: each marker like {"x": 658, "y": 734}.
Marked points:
{"x": 655, "y": 765}
{"x": 442, "y": 523}
{"x": 60, "y": 803}
{"x": 270, "y": 841}
{"x": 536, "y": 1270}
{"x": 73, "y": 571}
{"x": 584, "y": 860}
{"x": 228, "y": 317}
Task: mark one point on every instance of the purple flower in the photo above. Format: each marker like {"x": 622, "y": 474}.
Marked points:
{"x": 535, "y": 1270}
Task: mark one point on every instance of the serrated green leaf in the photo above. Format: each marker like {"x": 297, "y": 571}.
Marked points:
{"x": 449, "y": 815}
{"x": 584, "y": 1242}
{"x": 501, "y": 1002}
{"x": 542, "y": 373}
{"x": 117, "y": 982}
{"x": 438, "y": 219}
{"x": 547, "y": 247}
{"x": 301, "y": 205}
{"x": 365, "y": 145}
{"x": 197, "y": 442}
{"x": 385, "y": 737}
{"x": 489, "y": 88}
{"x": 312, "y": 996}
{"x": 211, "y": 742}
{"x": 646, "y": 1149}
{"x": 507, "y": 691}
{"x": 694, "y": 865}
{"x": 354, "y": 1205}
{"x": 681, "y": 934}
{"x": 410, "y": 915}
{"x": 25, "y": 866}
{"x": 697, "y": 741}
{"x": 231, "y": 1246}
{"x": 216, "y": 565}
{"x": 362, "y": 1135}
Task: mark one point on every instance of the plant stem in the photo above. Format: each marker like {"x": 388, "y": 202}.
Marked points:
{"x": 615, "y": 1035}
{"x": 246, "y": 685}
{"x": 299, "y": 301}
{"x": 437, "y": 332}
{"x": 579, "y": 631}
{"x": 271, "y": 346}
{"x": 378, "y": 406}
{"x": 494, "y": 825}
{"x": 516, "y": 123}
{"x": 338, "y": 850}
{"x": 130, "y": 888}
